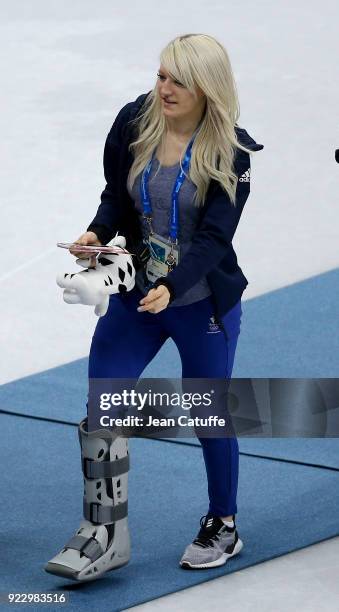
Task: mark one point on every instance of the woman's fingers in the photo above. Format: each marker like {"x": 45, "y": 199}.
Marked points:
{"x": 154, "y": 307}
{"x": 156, "y": 300}
{"x": 86, "y": 239}
{"x": 152, "y": 295}
{"x": 82, "y": 242}
{"x": 93, "y": 261}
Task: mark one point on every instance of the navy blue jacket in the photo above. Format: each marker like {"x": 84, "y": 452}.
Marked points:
{"x": 211, "y": 253}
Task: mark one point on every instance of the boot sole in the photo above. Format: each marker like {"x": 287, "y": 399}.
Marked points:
{"x": 85, "y": 575}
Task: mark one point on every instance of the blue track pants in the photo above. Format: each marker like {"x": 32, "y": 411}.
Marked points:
{"x": 125, "y": 341}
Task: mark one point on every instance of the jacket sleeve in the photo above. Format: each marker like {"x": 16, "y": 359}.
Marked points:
{"x": 214, "y": 234}
{"x": 108, "y": 217}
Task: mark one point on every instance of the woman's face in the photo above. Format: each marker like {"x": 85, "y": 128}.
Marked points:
{"x": 176, "y": 100}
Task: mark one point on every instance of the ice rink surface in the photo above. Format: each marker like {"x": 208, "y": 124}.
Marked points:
{"x": 67, "y": 69}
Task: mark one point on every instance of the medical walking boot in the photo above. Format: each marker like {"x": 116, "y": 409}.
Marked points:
{"x": 102, "y": 542}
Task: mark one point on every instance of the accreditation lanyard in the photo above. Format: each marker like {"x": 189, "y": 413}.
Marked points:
{"x": 146, "y": 201}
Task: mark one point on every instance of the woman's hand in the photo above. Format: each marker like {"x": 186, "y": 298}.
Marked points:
{"x": 156, "y": 300}
{"x": 86, "y": 239}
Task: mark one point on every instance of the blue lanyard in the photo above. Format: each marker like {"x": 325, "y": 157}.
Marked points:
{"x": 145, "y": 198}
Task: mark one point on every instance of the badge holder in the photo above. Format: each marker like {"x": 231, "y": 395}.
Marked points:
{"x": 164, "y": 258}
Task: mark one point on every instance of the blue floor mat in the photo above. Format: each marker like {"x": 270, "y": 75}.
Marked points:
{"x": 43, "y": 487}
{"x": 292, "y": 332}
{"x": 318, "y": 451}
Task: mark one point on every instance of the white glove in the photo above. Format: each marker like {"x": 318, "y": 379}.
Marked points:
{"x": 114, "y": 273}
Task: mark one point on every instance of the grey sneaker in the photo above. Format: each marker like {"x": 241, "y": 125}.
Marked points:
{"x": 213, "y": 546}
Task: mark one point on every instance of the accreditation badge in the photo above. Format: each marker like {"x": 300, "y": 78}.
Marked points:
{"x": 160, "y": 249}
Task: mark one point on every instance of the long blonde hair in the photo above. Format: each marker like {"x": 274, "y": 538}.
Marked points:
{"x": 196, "y": 60}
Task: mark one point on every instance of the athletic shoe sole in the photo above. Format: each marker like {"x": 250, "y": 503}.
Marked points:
{"x": 221, "y": 561}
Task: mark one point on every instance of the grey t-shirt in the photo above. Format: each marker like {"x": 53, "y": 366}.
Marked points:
{"x": 160, "y": 191}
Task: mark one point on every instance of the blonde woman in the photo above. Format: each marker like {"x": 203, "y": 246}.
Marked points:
{"x": 177, "y": 168}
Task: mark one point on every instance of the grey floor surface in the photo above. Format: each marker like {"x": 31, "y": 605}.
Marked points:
{"x": 305, "y": 580}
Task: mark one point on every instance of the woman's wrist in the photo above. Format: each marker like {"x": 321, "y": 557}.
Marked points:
{"x": 162, "y": 280}
{"x": 102, "y": 232}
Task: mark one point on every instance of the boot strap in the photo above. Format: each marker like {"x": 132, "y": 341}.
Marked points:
{"x": 104, "y": 469}
{"x": 88, "y": 546}
{"x": 97, "y": 513}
